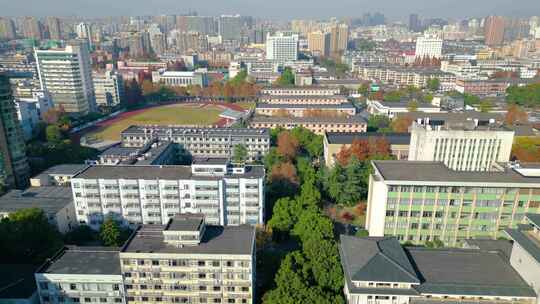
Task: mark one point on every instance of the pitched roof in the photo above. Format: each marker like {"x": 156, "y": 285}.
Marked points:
{"x": 377, "y": 259}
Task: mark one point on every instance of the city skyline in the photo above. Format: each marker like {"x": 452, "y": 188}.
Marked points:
{"x": 272, "y": 10}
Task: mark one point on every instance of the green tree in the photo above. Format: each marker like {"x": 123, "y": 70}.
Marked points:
{"x": 394, "y": 96}
{"x": 309, "y": 141}
{"x": 112, "y": 234}
{"x": 27, "y": 237}
{"x": 378, "y": 122}
{"x": 286, "y": 79}
{"x": 528, "y": 95}
{"x": 240, "y": 78}
{"x": 412, "y": 106}
{"x": 240, "y": 154}
{"x": 284, "y": 214}
{"x": 486, "y": 105}
{"x": 471, "y": 100}
{"x": 295, "y": 284}
{"x": 53, "y": 134}
{"x": 364, "y": 89}
{"x": 434, "y": 84}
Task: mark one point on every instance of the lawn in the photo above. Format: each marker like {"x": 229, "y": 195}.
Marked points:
{"x": 165, "y": 115}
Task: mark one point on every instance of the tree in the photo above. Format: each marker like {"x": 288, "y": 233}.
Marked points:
{"x": 526, "y": 149}
{"x": 286, "y": 79}
{"x": 81, "y": 235}
{"x": 284, "y": 214}
{"x": 295, "y": 284}
{"x": 27, "y": 237}
{"x": 528, "y": 95}
{"x": 53, "y": 134}
{"x": 393, "y": 96}
{"x": 471, "y": 100}
{"x": 434, "y": 84}
{"x": 284, "y": 171}
{"x": 287, "y": 145}
{"x": 309, "y": 141}
{"x": 378, "y": 122}
{"x": 133, "y": 94}
{"x": 486, "y": 105}
{"x": 364, "y": 89}
{"x": 412, "y": 106}
{"x": 401, "y": 124}
{"x": 515, "y": 115}
{"x": 240, "y": 154}
{"x": 111, "y": 234}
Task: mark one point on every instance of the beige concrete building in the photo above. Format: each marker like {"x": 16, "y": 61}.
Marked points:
{"x": 302, "y": 91}
{"x": 318, "y": 125}
{"x": 319, "y": 43}
{"x": 461, "y": 148}
{"x": 305, "y": 100}
{"x": 305, "y": 110}
{"x": 186, "y": 261}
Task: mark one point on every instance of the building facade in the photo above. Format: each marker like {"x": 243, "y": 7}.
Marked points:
{"x": 305, "y": 110}
{"x": 225, "y": 194}
{"x": 202, "y": 142}
{"x": 405, "y": 76}
{"x": 282, "y": 47}
{"x": 429, "y": 46}
{"x": 14, "y": 168}
{"x": 425, "y": 201}
{"x": 81, "y": 275}
{"x": 302, "y": 91}
{"x": 187, "y": 261}
{"x": 378, "y": 270}
{"x": 67, "y": 75}
{"x": 108, "y": 88}
{"x": 318, "y": 125}
{"x": 461, "y": 149}
{"x": 319, "y": 43}
{"x": 181, "y": 79}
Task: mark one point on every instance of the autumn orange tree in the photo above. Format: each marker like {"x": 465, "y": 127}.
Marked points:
{"x": 364, "y": 149}
{"x": 526, "y": 149}
{"x": 401, "y": 124}
{"x": 515, "y": 115}
{"x": 287, "y": 145}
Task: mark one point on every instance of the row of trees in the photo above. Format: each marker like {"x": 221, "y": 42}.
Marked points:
{"x": 528, "y": 95}
{"x": 312, "y": 273}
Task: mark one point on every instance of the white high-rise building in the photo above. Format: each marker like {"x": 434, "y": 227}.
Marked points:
{"x": 223, "y": 193}
{"x": 282, "y": 47}
{"x": 108, "y": 88}
{"x": 67, "y": 75}
{"x": 429, "y": 45}
{"x": 84, "y": 32}
{"x": 460, "y": 148}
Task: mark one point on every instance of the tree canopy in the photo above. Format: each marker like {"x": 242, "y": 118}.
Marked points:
{"x": 286, "y": 79}
{"x": 528, "y": 95}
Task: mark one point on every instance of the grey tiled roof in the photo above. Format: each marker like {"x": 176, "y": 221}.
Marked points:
{"x": 49, "y": 199}
{"x": 375, "y": 259}
{"x": 526, "y": 242}
{"x": 467, "y": 272}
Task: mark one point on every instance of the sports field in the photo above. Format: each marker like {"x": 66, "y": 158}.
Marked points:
{"x": 178, "y": 114}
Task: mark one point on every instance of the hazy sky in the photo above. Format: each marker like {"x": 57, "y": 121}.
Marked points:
{"x": 275, "y": 9}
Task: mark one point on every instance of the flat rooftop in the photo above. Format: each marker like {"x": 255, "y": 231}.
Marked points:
{"x": 185, "y": 222}
{"x": 49, "y": 199}
{"x": 85, "y": 260}
{"x": 65, "y": 169}
{"x": 347, "y": 138}
{"x": 157, "y": 172}
{"x": 345, "y": 105}
{"x": 405, "y": 104}
{"x": 467, "y": 272}
{"x": 216, "y": 240}
{"x": 179, "y": 130}
{"x": 318, "y": 119}
{"x": 429, "y": 172}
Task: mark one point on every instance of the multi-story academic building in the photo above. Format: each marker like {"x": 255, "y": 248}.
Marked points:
{"x": 425, "y": 201}
{"x": 81, "y": 275}
{"x": 304, "y": 100}
{"x": 461, "y": 148}
{"x": 202, "y": 142}
{"x": 302, "y": 91}
{"x": 225, "y": 194}
{"x": 305, "y": 110}
{"x": 67, "y": 74}
{"x": 378, "y": 270}
{"x": 186, "y": 261}
{"x": 182, "y": 261}
{"x": 318, "y": 125}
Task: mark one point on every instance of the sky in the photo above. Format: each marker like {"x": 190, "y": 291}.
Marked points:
{"x": 272, "y": 9}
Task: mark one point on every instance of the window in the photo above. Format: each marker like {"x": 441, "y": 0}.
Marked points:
{"x": 44, "y": 285}
{"x": 103, "y": 300}
{"x": 72, "y": 286}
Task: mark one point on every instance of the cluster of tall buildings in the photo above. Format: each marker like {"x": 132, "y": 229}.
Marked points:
{"x": 332, "y": 41}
